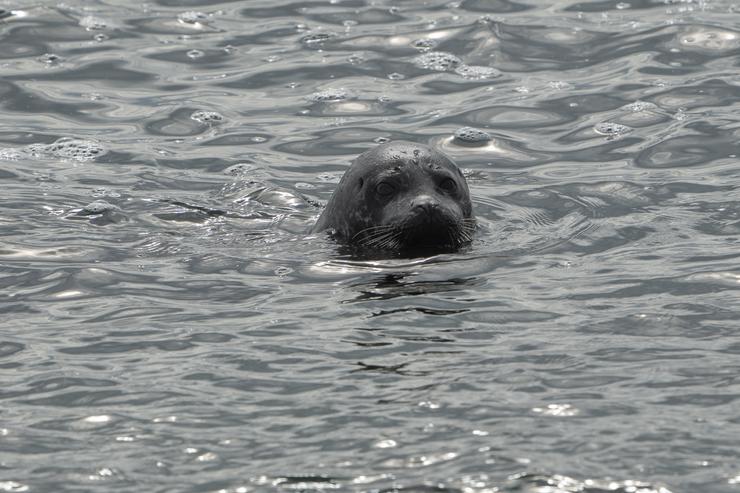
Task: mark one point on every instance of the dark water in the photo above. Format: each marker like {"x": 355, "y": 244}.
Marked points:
{"x": 168, "y": 325}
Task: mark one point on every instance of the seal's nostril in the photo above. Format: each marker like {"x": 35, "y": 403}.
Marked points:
{"x": 425, "y": 206}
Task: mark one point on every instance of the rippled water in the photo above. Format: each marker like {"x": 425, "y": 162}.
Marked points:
{"x": 168, "y": 323}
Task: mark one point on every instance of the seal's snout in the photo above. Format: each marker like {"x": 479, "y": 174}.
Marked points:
{"x": 424, "y": 204}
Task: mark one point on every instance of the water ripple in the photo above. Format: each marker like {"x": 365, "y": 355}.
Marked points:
{"x": 171, "y": 324}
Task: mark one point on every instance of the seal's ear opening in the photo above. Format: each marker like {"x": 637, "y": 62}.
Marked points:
{"x": 361, "y": 182}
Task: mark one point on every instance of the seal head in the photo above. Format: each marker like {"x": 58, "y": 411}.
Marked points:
{"x": 401, "y": 197}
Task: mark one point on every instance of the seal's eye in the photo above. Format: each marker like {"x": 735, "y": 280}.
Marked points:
{"x": 384, "y": 189}
{"x": 448, "y": 185}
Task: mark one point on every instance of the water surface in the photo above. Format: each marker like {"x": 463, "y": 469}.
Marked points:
{"x": 169, "y": 324}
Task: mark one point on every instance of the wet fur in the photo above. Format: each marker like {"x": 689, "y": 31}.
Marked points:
{"x": 420, "y": 215}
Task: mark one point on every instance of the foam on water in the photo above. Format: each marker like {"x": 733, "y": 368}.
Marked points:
{"x": 438, "y": 61}
{"x": 208, "y": 117}
{"x": 193, "y": 17}
{"x": 611, "y": 129}
{"x": 471, "y": 136}
{"x": 475, "y": 72}
{"x": 639, "y": 106}
{"x": 92, "y": 23}
{"x": 338, "y": 94}
{"x": 65, "y": 148}
{"x": 424, "y": 44}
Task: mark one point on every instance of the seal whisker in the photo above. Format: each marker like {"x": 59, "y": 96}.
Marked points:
{"x": 372, "y": 234}
{"x": 380, "y": 238}
{"x": 452, "y": 236}
{"x": 379, "y": 233}
{"x": 380, "y": 241}
{"x": 370, "y": 230}
{"x": 466, "y": 233}
{"x": 390, "y": 241}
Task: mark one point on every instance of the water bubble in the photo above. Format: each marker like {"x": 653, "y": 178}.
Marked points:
{"x": 239, "y": 169}
{"x": 424, "y": 44}
{"x": 34, "y": 150}
{"x": 195, "y": 54}
{"x": 559, "y": 85}
{"x": 317, "y": 39}
{"x": 475, "y": 72}
{"x": 355, "y": 59}
{"x": 437, "y": 60}
{"x": 283, "y": 271}
{"x": 338, "y": 94}
{"x": 193, "y": 17}
{"x": 381, "y": 140}
{"x": 271, "y": 59}
{"x": 611, "y": 130}
{"x": 680, "y": 115}
{"x": 97, "y": 207}
{"x": 100, "y": 37}
{"x": 623, "y": 5}
{"x": 327, "y": 178}
{"x": 10, "y": 154}
{"x": 471, "y": 136}
{"x": 50, "y": 59}
{"x": 91, "y": 23}
{"x": 207, "y": 117}
{"x": 77, "y": 149}
{"x": 104, "y": 192}
{"x": 710, "y": 40}
{"x": 639, "y": 106}
{"x": 396, "y": 76}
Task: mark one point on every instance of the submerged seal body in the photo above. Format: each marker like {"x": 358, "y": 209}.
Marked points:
{"x": 401, "y": 196}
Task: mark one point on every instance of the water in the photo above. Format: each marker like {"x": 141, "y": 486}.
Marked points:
{"x": 168, "y": 324}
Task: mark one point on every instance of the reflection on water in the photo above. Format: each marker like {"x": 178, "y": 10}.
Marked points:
{"x": 169, "y": 324}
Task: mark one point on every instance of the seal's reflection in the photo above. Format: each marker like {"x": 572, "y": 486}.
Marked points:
{"x": 395, "y": 285}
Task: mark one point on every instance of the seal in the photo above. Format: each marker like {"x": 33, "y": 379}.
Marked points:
{"x": 400, "y": 197}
